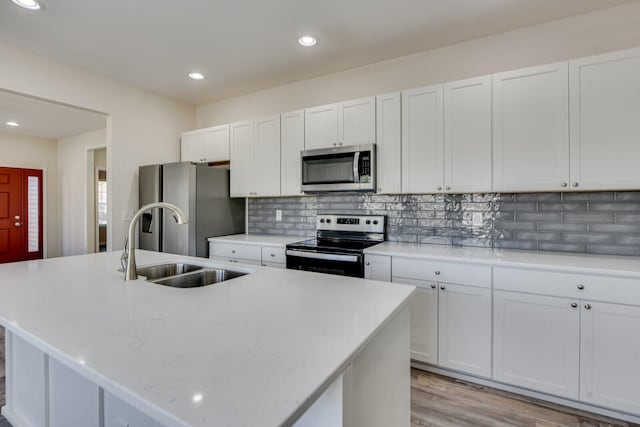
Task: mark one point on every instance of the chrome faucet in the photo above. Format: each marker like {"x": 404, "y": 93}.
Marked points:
{"x": 131, "y": 272}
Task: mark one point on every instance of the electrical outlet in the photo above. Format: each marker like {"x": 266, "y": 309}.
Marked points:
{"x": 278, "y": 215}
{"x": 477, "y": 219}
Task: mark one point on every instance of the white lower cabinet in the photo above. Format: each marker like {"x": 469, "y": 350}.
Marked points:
{"x": 377, "y": 267}
{"x": 450, "y": 322}
{"x": 254, "y": 254}
{"x": 610, "y": 355}
{"x": 537, "y": 342}
{"x": 464, "y": 325}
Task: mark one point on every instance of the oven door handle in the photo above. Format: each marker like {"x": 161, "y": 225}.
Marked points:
{"x": 323, "y": 256}
{"x": 356, "y": 167}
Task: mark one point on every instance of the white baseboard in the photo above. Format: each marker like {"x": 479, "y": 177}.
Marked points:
{"x": 624, "y": 416}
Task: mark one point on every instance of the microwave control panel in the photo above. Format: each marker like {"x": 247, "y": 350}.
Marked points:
{"x": 365, "y": 166}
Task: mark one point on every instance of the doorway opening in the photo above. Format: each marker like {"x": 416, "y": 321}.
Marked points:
{"x": 97, "y": 195}
{"x": 21, "y": 214}
{"x": 101, "y": 210}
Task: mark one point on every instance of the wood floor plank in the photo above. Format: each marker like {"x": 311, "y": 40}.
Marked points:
{"x": 439, "y": 401}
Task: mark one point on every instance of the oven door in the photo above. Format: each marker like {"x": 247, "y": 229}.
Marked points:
{"x": 339, "y": 169}
{"x": 330, "y": 263}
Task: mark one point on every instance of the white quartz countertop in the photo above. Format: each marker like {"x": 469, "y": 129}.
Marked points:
{"x": 258, "y": 348}
{"x": 259, "y": 239}
{"x": 594, "y": 264}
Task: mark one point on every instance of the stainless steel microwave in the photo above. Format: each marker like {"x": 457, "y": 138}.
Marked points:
{"x": 351, "y": 168}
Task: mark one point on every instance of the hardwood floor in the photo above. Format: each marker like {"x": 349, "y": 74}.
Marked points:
{"x": 438, "y": 401}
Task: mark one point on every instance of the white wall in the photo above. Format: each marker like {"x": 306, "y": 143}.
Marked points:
{"x": 142, "y": 127}
{"x": 606, "y": 30}
{"x": 74, "y": 179}
{"x": 28, "y": 152}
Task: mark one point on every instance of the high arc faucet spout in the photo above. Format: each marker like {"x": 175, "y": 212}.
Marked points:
{"x": 130, "y": 270}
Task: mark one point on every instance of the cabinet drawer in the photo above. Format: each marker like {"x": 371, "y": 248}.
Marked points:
{"x": 272, "y": 255}
{"x": 442, "y": 271}
{"x": 274, "y": 264}
{"x": 568, "y": 285}
{"x": 230, "y": 250}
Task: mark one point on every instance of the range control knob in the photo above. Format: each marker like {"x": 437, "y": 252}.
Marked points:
{"x": 322, "y": 220}
{"x": 328, "y": 221}
{"x": 368, "y": 222}
{"x": 375, "y": 222}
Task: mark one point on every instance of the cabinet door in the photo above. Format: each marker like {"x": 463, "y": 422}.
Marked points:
{"x": 192, "y": 147}
{"x": 537, "y": 342}
{"x": 377, "y": 267}
{"x": 531, "y": 129}
{"x": 292, "y": 143}
{"x": 357, "y": 121}
{"x": 610, "y": 356}
{"x": 389, "y": 139}
{"x": 321, "y": 127}
{"x": 605, "y": 130}
{"x": 267, "y": 176}
{"x": 216, "y": 147}
{"x": 423, "y": 307}
{"x": 422, "y": 140}
{"x": 464, "y": 329}
{"x": 467, "y": 135}
{"x": 242, "y": 159}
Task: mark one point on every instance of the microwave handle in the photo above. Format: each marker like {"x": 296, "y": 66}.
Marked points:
{"x": 356, "y": 167}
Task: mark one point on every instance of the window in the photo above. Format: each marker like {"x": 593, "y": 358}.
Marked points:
{"x": 102, "y": 198}
{"x": 33, "y": 214}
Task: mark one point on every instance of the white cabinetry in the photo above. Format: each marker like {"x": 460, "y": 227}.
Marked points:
{"x": 605, "y": 130}
{"x": 537, "y": 342}
{"x": 450, "y": 312}
{"x": 531, "y": 129}
{"x": 610, "y": 355}
{"x": 389, "y": 141}
{"x": 467, "y": 135}
{"x": 292, "y": 143}
{"x": 377, "y": 267}
{"x": 346, "y": 123}
{"x": 255, "y": 157}
{"x": 256, "y": 254}
{"x": 206, "y": 145}
{"x": 422, "y": 140}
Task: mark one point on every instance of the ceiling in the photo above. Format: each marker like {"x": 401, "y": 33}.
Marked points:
{"x": 45, "y": 119}
{"x": 247, "y": 45}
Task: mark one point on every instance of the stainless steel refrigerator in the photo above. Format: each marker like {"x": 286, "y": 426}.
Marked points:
{"x": 202, "y": 192}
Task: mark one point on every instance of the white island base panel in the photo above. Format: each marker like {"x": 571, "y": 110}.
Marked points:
{"x": 42, "y": 391}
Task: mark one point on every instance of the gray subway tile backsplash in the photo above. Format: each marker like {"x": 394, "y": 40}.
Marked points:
{"x": 590, "y": 222}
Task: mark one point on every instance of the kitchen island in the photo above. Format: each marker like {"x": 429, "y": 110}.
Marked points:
{"x": 273, "y": 347}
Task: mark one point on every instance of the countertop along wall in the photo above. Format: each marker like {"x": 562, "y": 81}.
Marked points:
{"x": 142, "y": 127}
{"x": 582, "y": 35}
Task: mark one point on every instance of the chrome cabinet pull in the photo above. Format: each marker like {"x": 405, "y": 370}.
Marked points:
{"x": 368, "y": 263}
{"x": 574, "y": 305}
{"x": 448, "y": 188}
{"x": 575, "y": 184}
{"x": 442, "y": 288}
{"x": 581, "y": 286}
{"x": 564, "y": 185}
{"x": 587, "y": 306}
{"x": 437, "y": 272}
{"x": 433, "y": 286}
{"x": 439, "y": 188}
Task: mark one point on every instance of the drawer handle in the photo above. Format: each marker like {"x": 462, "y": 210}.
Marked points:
{"x": 442, "y": 288}
{"x": 273, "y": 255}
{"x": 581, "y": 287}
{"x": 587, "y": 306}
{"x": 433, "y": 286}
{"x": 437, "y": 272}
{"x": 574, "y": 305}
{"x": 233, "y": 251}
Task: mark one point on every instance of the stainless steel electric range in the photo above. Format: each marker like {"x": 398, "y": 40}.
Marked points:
{"x": 339, "y": 245}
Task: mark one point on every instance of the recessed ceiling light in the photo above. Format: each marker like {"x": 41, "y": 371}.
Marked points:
{"x": 197, "y": 397}
{"x": 196, "y": 76}
{"x": 12, "y": 124}
{"x": 307, "y": 41}
{"x": 28, "y": 4}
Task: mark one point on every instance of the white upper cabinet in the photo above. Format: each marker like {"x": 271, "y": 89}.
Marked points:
{"x": 467, "y": 135}
{"x": 205, "y": 145}
{"x": 242, "y": 158}
{"x": 345, "y": 123}
{"x": 389, "y": 139}
{"x": 610, "y": 356}
{"x": 292, "y": 143}
{"x": 267, "y": 175}
{"x": 605, "y": 121}
{"x": 422, "y": 140}
{"x": 255, "y": 157}
{"x": 192, "y": 146}
{"x": 531, "y": 129}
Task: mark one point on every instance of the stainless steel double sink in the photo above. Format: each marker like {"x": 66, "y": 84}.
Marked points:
{"x": 181, "y": 275}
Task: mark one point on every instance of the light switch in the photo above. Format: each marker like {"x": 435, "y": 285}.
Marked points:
{"x": 278, "y": 215}
{"x": 477, "y": 219}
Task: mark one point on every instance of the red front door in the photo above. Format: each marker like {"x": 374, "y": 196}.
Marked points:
{"x": 20, "y": 214}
